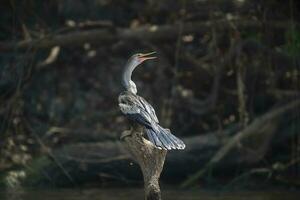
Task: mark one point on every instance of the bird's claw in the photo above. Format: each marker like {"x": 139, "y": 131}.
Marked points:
{"x": 125, "y": 134}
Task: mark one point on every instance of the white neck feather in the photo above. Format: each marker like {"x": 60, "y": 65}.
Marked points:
{"x": 126, "y": 79}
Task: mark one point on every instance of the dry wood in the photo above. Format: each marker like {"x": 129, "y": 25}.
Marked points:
{"x": 150, "y": 159}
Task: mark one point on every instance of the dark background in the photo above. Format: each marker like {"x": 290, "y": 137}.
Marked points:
{"x": 226, "y": 81}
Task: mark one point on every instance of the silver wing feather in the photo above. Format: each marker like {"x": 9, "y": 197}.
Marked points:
{"x": 149, "y": 108}
{"x": 139, "y": 110}
{"x": 134, "y": 104}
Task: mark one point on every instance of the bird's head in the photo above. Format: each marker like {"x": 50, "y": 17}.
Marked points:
{"x": 132, "y": 63}
{"x": 138, "y": 58}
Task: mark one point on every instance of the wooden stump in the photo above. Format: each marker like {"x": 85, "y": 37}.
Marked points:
{"x": 150, "y": 159}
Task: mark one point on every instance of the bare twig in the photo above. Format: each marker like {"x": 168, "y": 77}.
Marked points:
{"x": 241, "y": 92}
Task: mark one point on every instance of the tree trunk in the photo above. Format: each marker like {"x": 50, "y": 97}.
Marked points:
{"x": 150, "y": 160}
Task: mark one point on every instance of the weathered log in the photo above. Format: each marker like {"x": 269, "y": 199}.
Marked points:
{"x": 106, "y": 162}
{"x": 150, "y": 160}
{"x": 110, "y": 162}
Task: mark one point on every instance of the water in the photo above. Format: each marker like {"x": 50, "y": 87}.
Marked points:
{"x": 137, "y": 194}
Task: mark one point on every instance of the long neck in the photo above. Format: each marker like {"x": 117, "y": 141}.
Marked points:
{"x": 126, "y": 79}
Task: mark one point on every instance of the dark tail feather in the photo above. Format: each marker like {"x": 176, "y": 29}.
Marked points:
{"x": 179, "y": 143}
{"x": 154, "y": 139}
{"x": 150, "y": 136}
{"x": 164, "y": 139}
{"x": 166, "y": 143}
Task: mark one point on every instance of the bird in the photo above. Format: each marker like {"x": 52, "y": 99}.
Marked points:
{"x": 138, "y": 110}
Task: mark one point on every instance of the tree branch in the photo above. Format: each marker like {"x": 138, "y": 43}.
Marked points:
{"x": 150, "y": 33}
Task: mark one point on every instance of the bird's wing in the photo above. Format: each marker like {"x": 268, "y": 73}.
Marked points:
{"x": 147, "y": 106}
{"x": 131, "y": 107}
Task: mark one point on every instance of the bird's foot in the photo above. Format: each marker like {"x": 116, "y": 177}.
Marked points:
{"x": 125, "y": 134}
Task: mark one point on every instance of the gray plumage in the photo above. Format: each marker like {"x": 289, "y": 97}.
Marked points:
{"x": 137, "y": 109}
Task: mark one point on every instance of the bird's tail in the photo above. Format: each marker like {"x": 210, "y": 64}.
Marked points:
{"x": 163, "y": 138}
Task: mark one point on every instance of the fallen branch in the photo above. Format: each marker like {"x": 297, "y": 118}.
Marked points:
{"x": 249, "y": 130}
{"x": 110, "y": 162}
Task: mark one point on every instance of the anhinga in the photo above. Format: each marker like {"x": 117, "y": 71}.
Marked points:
{"x": 138, "y": 110}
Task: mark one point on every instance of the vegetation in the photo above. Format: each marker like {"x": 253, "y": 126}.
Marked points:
{"x": 226, "y": 81}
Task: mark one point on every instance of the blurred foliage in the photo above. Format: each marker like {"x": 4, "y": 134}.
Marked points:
{"x": 74, "y": 98}
{"x": 292, "y": 45}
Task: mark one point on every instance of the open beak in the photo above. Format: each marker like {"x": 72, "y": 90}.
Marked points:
{"x": 147, "y": 56}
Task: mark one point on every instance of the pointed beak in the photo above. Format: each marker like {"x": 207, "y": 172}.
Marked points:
{"x": 147, "y": 56}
